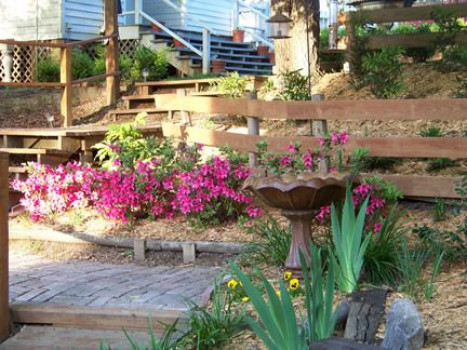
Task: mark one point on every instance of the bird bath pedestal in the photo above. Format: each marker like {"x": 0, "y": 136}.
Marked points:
{"x": 299, "y": 197}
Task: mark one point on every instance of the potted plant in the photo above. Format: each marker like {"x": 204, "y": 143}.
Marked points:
{"x": 238, "y": 35}
{"x": 218, "y": 65}
{"x": 262, "y": 50}
{"x": 299, "y": 185}
{"x": 155, "y": 28}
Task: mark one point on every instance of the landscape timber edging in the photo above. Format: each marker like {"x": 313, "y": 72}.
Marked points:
{"x": 51, "y": 235}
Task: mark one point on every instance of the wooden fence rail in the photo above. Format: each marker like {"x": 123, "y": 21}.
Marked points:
{"x": 404, "y": 147}
{"x": 4, "y": 194}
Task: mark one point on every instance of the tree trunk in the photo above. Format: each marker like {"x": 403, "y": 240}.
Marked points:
{"x": 291, "y": 54}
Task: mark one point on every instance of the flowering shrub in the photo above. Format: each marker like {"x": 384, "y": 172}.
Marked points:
{"x": 207, "y": 192}
{"x": 295, "y": 162}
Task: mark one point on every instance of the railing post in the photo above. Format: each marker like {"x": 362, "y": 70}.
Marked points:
{"x": 138, "y": 9}
{"x": 206, "y": 51}
{"x": 4, "y": 203}
{"x": 7, "y": 61}
{"x": 236, "y": 14}
{"x": 65, "y": 78}
{"x": 253, "y": 129}
{"x": 320, "y": 128}
{"x": 111, "y": 61}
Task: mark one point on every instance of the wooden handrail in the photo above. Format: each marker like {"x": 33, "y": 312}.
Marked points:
{"x": 32, "y": 43}
{"x": 4, "y": 197}
{"x": 93, "y": 40}
{"x": 32, "y": 84}
{"x": 96, "y": 77}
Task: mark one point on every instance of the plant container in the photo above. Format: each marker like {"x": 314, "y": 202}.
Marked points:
{"x": 178, "y": 43}
{"x": 155, "y": 28}
{"x": 299, "y": 197}
{"x": 238, "y": 35}
{"x": 218, "y": 66}
{"x": 262, "y": 50}
{"x": 272, "y": 57}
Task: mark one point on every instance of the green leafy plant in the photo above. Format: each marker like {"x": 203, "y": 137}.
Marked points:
{"x": 155, "y": 61}
{"x": 412, "y": 261}
{"x": 48, "y": 70}
{"x": 452, "y": 243}
{"x": 358, "y": 158}
{"x": 429, "y": 286}
{"x": 124, "y": 63}
{"x": 125, "y": 143}
{"x": 277, "y": 325}
{"x": 233, "y": 85}
{"x": 210, "y": 329}
{"x": 383, "y": 72}
{"x": 349, "y": 244}
{"x": 432, "y": 131}
{"x": 273, "y": 244}
{"x": 368, "y": 163}
{"x": 421, "y": 54}
{"x": 381, "y": 265}
{"x": 440, "y": 164}
{"x": 168, "y": 341}
{"x": 295, "y": 86}
{"x": 82, "y": 64}
{"x": 358, "y": 49}
{"x": 387, "y": 190}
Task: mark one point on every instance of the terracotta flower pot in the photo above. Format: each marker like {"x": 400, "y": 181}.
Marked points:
{"x": 238, "y": 35}
{"x": 272, "y": 57}
{"x": 299, "y": 197}
{"x": 178, "y": 43}
{"x": 156, "y": 28}
{"x": 262, "y": 50}
{"x": 218, "y": 66}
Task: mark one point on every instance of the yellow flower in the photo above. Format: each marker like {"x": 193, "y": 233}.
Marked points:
{"x": 278, "y": 293}
{"x": 287, "y": 275}
{"x": 245, "y": 299}
{"x": 232, "y": 284}
{"x": 293, "y": 284}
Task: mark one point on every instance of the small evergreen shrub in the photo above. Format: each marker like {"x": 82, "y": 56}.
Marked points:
{"x": 155, "y": 61}
{"x": 82, "y": 65}
{"x": 383, "y": 72}
{"x": 48, "y": 71}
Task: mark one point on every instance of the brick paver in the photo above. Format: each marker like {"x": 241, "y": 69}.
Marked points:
{"x": 38, "y": 280}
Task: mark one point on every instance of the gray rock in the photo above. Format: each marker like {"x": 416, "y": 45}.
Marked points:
{"x": 404, "y": 327}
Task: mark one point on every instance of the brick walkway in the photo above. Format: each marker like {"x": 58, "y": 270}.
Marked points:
{"x": 93, "y": 284}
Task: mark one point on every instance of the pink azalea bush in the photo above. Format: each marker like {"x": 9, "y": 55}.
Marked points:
{"x": 206, "y": 192}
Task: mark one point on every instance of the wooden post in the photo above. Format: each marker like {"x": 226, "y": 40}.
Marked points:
{"x": 185, "y": 116}
{"x": 4, "y": 307}
{"x": 65, "y": 77}
{"x": 253, "y": 129}
{"x": 320, "y": 127}
{"x": 206, "y": 51}
{"x": 111, "y": 61}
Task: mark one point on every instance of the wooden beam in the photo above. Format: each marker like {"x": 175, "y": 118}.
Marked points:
{"x": 32, "y": 43}
{"x": 89, "y": 41}
{"x": 111, "y": 61}
{"x": 409, "y": 40}
{"x": 410, "y": 109}
{"x": 402, "y": 147}
{"x": 65, "y": 79}
{"x": 95, "y": 77}
{"x": 4, "y": 206}
{"x": 405, "y": 14}
{"x": 32, "y": 84}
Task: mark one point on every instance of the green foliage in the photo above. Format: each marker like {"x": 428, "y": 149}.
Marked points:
{"x": 357, "y": 159}
{"x": 368, "y": 163}
{"x": 440, "y": 164}
{"x": 383, "y": 72}
{"x": 432, "y": 131}
{"x": 155, "y": 61}
{"x": 277, "y": 325}
{"x": 126, "y": 143}
{"x": 168, "y": 341}
{"x": 461, "y": 189}
{"x": 210, "y": 329}
{"x": 358, "y": 49}
{"x": 387, "y": 190}
{"x": 421, "y": 54}
{"x": 295, "y": 86}
{"x": 272, "y": 245}
{"x": 429, "y": 286}
{"x": 448, "y": 28}
{"x": 124, "y": 63}
{"x": 462, "y": 89}
{"x": 349, "y": 244}
{"x": 82, "y": 65}
{"x": 381, "y": 265}
{"x": 232, "y": 85}
{"x": 48, "y": 71}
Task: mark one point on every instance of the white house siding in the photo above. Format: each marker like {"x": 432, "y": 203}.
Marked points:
{"x": 216, "y": 15}
{"x": 30, "y": 19}
{"x": 83, "y": 19}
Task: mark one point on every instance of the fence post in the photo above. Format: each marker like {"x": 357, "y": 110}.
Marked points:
{"x": 111, "y": 57}
{"x": 206, "y": 51}
{"x": 253, "y": 129}
{"x": 320, "y": 128}
{"x": 7, "y": 61}
{"x": 4, "y": 194}
{"x": 65, "y": 78}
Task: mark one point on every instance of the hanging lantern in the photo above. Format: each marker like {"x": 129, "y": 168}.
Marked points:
{"x": 279, "y": 26}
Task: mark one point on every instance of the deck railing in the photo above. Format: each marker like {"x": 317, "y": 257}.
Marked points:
{"x": 66, "y": 80}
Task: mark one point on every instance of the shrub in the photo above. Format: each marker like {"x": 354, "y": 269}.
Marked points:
{"x": 155, "y": 61}
{"x": 82, "y": 65}
{"x": 232, "y": 85}
{"x": 48, "y": 71}
{"x": 295, "y": 86}
{"x": 383, "y": 72}
{"x": 124, "y": 63}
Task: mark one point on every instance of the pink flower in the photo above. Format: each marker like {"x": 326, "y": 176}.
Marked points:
{"x": 291, "y": 148}
{"x": 344, "y": 137}
{"x": 321, "y": 141}
{"x": 308, "y": 160}
{"x": 285, "y": 161}
{"x": 335, "y": 138}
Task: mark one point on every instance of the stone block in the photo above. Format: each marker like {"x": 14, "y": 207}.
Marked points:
{"x": 139, "y": 249}
{"x": 189, "y": 252}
